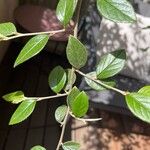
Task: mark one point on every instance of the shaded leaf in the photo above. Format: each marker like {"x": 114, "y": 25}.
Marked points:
{"x": 65, "y": 10}
{"x": 117, "y": 10}
{"x": 15, "y": 97}
{"x": 7, "y": 29}
{"x": 23, "y": 111}
{"x": 80, "y": 105}
{"x": 76, "y": 53}
{"x": 60, "y": 113}
{"x": 57, "y": 79}
{"x": 70, "y": 145}
{"x": 139, "y": 105}
{"x": 32, "y": 48}
{"x": 71, "y": 78}
{"x": 72, "y": 95}
{"x": 97, "y": 86}
{"x": 38, "y": 147}
{"x": 110, "y": 64}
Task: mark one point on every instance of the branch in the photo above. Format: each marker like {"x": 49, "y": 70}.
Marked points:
{"x": 30, "y": 34}
{"x": 48, "y": 97}
{"x": 103, "y": 84}
{"x": 63, "y": 130}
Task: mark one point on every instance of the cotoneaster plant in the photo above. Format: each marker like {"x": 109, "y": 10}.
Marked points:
{"x": 62, "y": 82}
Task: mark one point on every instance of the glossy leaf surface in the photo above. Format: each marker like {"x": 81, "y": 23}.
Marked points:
{"x": 95, "y": 85}
{"x": 57, "y": 79}
{"x": 14, "y": 97}
{"x": 110, "y": 64}
{"x": 117, "y": 10}
{"x": 72, "y": 95}
{"x": 76, "y": 53}
{"x": 23, "y": 111}
{"x": 32, "y": 48}
{"x": 80, "y": 105}
{"x": 139, "y": 104}
{"x": 70, "y": 145}
{"x": 7, "y": 29}
{"x": 60, "y": 113}
{"x": 65, "y": 10}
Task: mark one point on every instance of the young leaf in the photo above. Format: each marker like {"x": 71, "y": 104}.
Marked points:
{"x": 15, "y": 97}
{"x": 7, "y": 29}
{"x": 139, "y": 105}
{"x": 23, "y": 111}
{"x": 38, "y": 147}
{"x": 117, "y": 10}
{"x": 60, "y": 113}
{"x": 71, "y": 78}
{"x": 65, "y": 10}
{"x": 76, "y": 53}
{"x": 110, "y": 64}
{"x": 57, "y": 79}
{"x": 72, "y": 95}
{"x": 95, "y": 85}
{"x": 70, "y": 145}
{"x": 32, "y": 48}
{"x": 80, "y": 105}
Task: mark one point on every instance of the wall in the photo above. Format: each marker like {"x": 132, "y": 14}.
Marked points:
{"x": 6, "y": 14}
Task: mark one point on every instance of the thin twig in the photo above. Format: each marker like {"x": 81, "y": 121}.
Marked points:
{"x": 48, "y": 97}
{"x": 63, "y": 130}
{"x": 86, "y": 120}
{"x": 103, "y": 84}
{"x": 30, "y": 34}
{"x": 77, "y": 18}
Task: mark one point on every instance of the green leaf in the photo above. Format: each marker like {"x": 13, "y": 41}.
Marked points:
{"x": 60, "y": 113}
{"x": 110, "y": 64}
{"x": 70, "y": 145}
{"x": 117, "y": 10}
{"x": 7, "y": 29}
{"x": 139, "y": 105}
{"x": 23, "y": 111}
{"x": 72, "y": 95}
{"x": 65, "y": 10}
{"x": 145, "y": 90}
{"x": 38, "y": 147}
{"x": 76, "y": 53}
{"x": 32, "y": 48}
{"x": 57, "y": 79}
{"x": 80, "y": 105}
{"x": 97, "y": 86}
{"x": 71, "y": 78}
{"x": 15, "y": 97}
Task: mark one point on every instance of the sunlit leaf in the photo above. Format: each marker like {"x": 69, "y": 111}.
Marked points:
{"x": 116, "y": 10}
{"x": 70, "y": 145}
{"x": 76, "y": 52}
{"x": 145, "y": 90}
{"x": 60, "y": 113}
{"x": 23, "y": 111}
{"x": 65, "y": 10}
{"x": 71, "y": 78}
{"x": 80, "y": 105}
{"x": 110, "y": 64}
{"x": 7, "y": 29}
{"x": 97, "y": 86}
{"x": 15, "y": 97}
{"x": 57, "y": 79}
{"x": 32, "y": 48}
{"x": 139, "y": 105}
{"x": 72, "y": 95}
